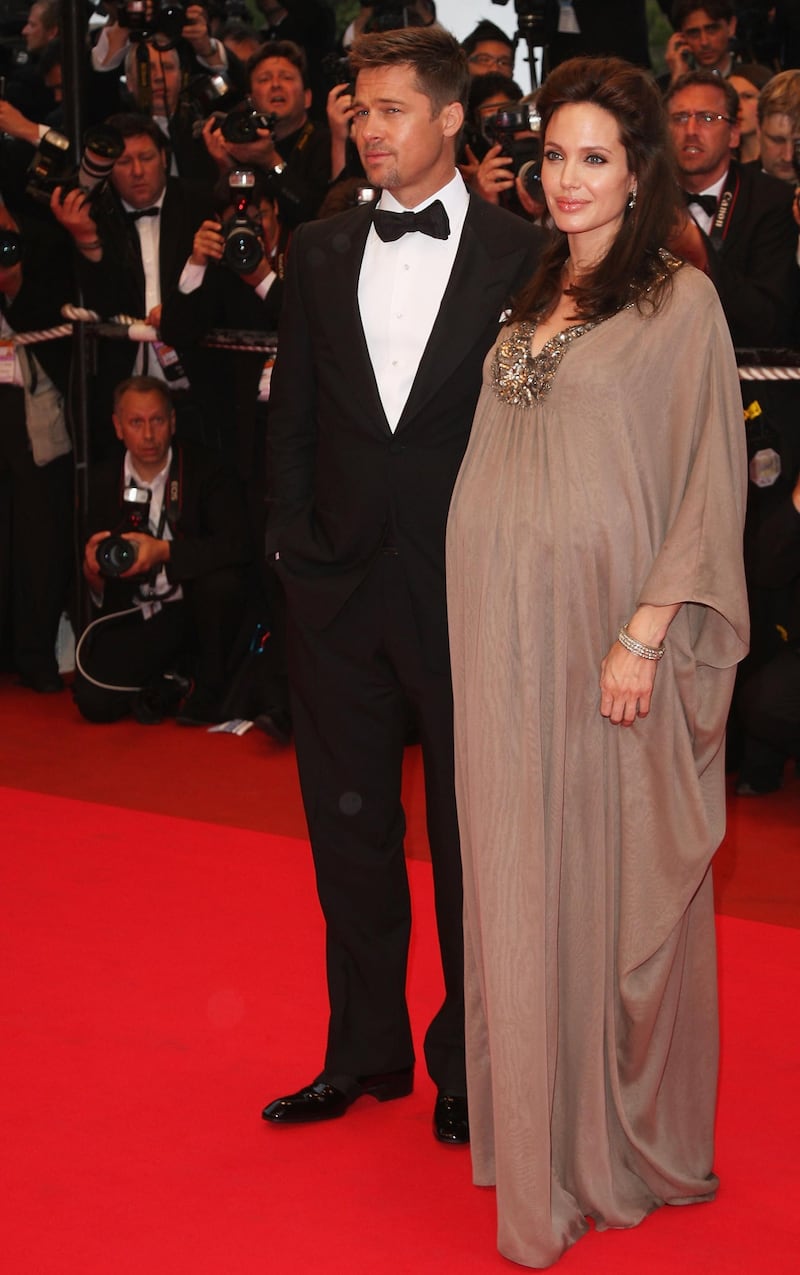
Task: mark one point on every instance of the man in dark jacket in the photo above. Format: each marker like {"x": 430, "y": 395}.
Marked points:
{"x": 180, "y": 602}
{"x": 388, "y": 316}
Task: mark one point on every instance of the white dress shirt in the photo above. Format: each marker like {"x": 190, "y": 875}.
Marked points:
{"x": 149, "y": 231}
{"x": 161, "y": 589}
{"x": 400, "y": 291}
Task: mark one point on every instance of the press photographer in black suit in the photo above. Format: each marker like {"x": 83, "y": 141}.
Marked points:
{"x": 295, "y": 151}
{"x": 180, "y": 603}
{"x": 132, "y": 247}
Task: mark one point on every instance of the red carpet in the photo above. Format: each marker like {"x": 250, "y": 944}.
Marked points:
{"x": 162, "y": 978}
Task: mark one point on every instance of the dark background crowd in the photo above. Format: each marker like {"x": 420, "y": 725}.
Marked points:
{"x": 208, "y": 133}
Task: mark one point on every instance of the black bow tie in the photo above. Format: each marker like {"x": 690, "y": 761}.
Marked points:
{"x": 431, "y": 221}
{"x": 142, "y": 212}
{"x": 708, "y": 203}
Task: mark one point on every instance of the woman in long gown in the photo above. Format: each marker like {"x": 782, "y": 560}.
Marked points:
{"x": 603, "y": 487}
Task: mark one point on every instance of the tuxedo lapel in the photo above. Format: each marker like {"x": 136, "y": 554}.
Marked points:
{"x": 477, "y": 290}
{"x": 345, "y": 254}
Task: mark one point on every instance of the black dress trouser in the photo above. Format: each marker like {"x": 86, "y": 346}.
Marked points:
{"x": 350, "y": 687}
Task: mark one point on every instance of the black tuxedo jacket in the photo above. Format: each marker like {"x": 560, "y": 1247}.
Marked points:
{"x": 344, "y": 485}
{"x": 115, "y": 284}
{"x": 755, "y": 270}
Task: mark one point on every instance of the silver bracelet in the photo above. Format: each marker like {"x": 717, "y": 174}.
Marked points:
{"x": 639, "y": 648}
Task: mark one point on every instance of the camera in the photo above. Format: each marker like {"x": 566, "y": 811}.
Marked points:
{"x": 208, "y": 93}
{"x": 52, "y": 164}
{"x": 243, "y": 246}
{"x": 525, "y": 152}
{"x": 242, "y": 125}
{"x": 115, "y": 554}
{"x": 148, "y": 18}
{"x": 537, "y": 19}
{"x": 336, "y": 71}
{"x": 10, "y": 248}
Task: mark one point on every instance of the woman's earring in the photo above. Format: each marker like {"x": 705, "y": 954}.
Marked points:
{"x": 632, "y": 199}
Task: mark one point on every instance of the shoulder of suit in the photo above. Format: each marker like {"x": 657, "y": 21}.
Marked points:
{"x": 328, "y": 230}
{"x": 498, "y": 225}
{"x": 768, "y": 188}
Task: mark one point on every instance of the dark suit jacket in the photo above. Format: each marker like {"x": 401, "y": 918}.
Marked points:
{"x": 225, "y": 382}
{"x": 755, "y": 271}
{"x": 210, "y": 532}
{"x": 344, "y": 484}
{"x": 115, "y": 284}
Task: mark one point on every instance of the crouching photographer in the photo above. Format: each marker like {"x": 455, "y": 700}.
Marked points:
{"x": 167, "y": 563}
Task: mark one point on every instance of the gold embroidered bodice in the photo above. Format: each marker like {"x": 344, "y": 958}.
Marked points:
{"x": 521, "y": 378}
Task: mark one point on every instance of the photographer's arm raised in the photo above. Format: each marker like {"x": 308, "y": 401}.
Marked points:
{"x": 73, "y": 211}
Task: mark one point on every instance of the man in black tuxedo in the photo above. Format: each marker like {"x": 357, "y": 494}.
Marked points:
{"x": 380, "y": 354}
{"x": 738, "y": 227}
{"x": 132, "y": 247}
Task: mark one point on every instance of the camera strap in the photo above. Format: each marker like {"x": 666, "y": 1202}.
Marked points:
{"x": 727, "y": 202}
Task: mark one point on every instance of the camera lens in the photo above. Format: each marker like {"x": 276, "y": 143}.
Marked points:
{"x": 243, "y": 249}
{"x": 115, "y": 555}
{"x": 10, "y": 249}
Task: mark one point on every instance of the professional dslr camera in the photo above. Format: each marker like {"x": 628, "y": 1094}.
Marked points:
{"x": 242, "y": 125}
{"x": 115, "y": 554}
{"x": 146, "y": 19}
{"x": 243, "y": 245}
{"x": 525, "y": 152}
{"x": 52, "y": 164}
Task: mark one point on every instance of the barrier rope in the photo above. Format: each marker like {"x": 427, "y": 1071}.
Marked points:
{"x": 782, "y": 365}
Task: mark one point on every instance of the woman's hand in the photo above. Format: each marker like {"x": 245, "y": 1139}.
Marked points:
{"x": 626, "y": 686}
{"x": 627, "y": 680}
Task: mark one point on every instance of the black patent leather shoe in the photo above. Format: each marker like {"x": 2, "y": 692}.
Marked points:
{"x": 321, "y": 1101}
{"x": 451, "y": 1120}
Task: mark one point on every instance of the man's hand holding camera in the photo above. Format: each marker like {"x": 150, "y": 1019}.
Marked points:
{"x": 208, "y": 244}
{"x": 73, "y": 211}
{"x": 151, "y": 555}
{"x": 494, "y": 174}
{"x": 196, "y": 33}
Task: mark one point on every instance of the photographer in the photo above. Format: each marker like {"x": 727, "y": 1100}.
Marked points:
{"x": 154, "y": 78}
{"x": 178, "y": 606}
{"x": 274, "y": 133}
{"x": 233, "y": 279}
{"x": 132, "y": 244}
{"x": 311, "y": 24}
{"x": 123, "y": 28}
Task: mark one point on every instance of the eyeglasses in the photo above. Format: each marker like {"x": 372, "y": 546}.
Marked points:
{"x": 486, "y": 59}
{"x": 703, "y": 119}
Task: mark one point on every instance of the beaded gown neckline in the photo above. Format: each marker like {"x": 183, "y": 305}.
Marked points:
{"x": 521, "y": 378}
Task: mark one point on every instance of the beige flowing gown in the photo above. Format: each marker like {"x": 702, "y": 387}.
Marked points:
{"x": 590, "y": 957}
